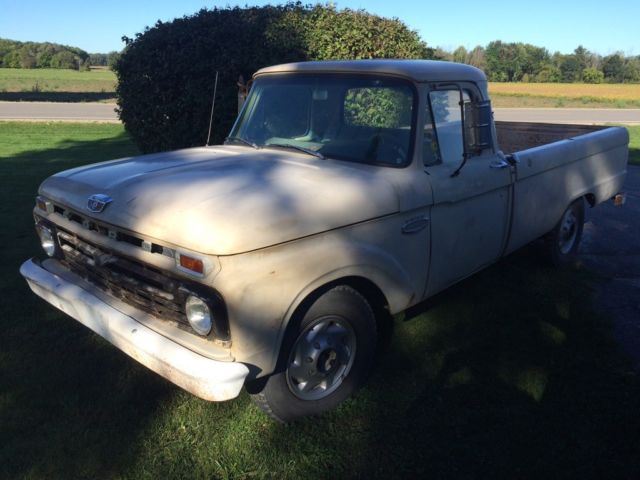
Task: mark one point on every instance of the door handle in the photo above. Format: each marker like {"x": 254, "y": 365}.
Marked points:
{"x": 499, "y": 164}
{"x": 414, "y": 225}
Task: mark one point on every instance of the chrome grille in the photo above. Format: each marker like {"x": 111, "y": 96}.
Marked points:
{"x": 133, "y": 282}
{"x": 111, "y": 232}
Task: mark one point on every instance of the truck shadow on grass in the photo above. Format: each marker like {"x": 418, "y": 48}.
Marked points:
{"x": 510, "y": 374}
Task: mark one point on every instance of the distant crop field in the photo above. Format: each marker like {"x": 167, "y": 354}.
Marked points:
{"x": 621, "y": 91}
{"x": 565, "y": 95}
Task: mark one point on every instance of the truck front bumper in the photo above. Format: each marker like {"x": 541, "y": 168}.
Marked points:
{"x": 204, "y": 377}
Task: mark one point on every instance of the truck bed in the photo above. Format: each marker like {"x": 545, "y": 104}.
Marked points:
{"x": 517, "y": 136}
{"x": 556, "y": 164}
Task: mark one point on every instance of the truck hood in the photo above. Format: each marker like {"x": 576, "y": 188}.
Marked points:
{"x": 228, "y": 199}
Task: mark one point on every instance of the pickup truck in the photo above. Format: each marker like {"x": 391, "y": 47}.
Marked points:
{"x": 346, "y": 192}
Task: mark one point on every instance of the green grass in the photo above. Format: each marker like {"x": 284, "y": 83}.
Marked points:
{"x": 50, "y": 84}
{"x": 508, "y": 375}
{"x": 634, "y": 144}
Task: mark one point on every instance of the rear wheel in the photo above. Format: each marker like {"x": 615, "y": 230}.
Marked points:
{"x": 325, "y": 357}
{"x": 563, "y": 241}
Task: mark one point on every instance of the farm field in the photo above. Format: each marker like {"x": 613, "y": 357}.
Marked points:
{"x": 99, "y": 85}
{"x": 56, "y": 84}
{"x": 510, "y": 373}
{"x": 565, "y": 95}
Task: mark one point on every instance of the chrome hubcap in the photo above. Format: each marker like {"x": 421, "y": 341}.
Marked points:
{"x": 321, "y": 358}
{"x": 568, "y": 232}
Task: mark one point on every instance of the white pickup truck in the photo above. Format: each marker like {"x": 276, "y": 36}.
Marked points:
{"x": 345, "y": 192}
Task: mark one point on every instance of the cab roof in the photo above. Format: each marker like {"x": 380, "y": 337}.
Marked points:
{"x": 416, "y": 70}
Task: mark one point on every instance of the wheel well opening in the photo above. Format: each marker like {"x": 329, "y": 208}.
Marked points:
{"x": 376, "y": 299}
{"x": 591, "y": 199}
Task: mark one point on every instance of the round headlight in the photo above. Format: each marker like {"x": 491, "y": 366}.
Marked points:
{"x": 198, "y": 314}
{"x": 46, "y": 240}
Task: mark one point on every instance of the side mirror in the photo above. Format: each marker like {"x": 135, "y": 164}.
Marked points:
{"x": 482, "y": 123}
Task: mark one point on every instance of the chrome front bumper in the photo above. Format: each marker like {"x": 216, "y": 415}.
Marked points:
{"x": 204, "y": 377}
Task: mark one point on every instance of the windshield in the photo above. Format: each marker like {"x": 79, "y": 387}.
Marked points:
{"x": 361, "y": 119}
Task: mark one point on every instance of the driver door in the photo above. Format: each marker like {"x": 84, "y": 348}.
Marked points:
{"x": 471, "y": 209}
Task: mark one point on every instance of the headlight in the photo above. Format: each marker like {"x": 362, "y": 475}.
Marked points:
{"x": 198, "y": 314}
{"x": 46, "y": 239}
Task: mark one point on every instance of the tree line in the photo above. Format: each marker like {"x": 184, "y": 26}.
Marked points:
{"x": 14, "y": 54}
{"x": 522, "y": 62}
{"x": 501, "y": 61}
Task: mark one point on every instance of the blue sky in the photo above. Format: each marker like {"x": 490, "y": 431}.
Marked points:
{"x": 602, "y": 27}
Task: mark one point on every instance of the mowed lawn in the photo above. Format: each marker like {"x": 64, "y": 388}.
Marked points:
{"x": 510, "y": 374}
{"x": 516, "y": 94}
{"x": 56, "y": 80}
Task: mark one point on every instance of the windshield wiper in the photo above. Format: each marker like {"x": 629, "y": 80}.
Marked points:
{"x": 296, "y": 147}
{"x": 242, "y": 140}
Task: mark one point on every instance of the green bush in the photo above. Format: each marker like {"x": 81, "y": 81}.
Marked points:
{"x": 592, "y": 75}
{"x": 166, "y": 73}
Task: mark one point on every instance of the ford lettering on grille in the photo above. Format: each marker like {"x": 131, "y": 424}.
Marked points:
{"x": 97, "y": 202}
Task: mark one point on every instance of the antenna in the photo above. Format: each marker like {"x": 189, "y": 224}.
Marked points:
{"x": 213, "y": 104}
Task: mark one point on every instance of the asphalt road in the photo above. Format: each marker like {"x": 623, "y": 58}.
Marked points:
{"x": 569, "y": 115}
{"x": 104, "y": 112}
{"x": 70, "y": 112}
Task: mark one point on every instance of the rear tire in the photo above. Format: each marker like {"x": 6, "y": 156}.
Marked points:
{"x": 325, "y": 357}
{"x": 563, "y": 241}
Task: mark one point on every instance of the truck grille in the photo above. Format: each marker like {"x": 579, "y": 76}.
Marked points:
{"x": 133, "y": 282}
{"x": 111, "y": 232}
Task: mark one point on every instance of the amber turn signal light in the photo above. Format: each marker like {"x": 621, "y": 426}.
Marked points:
{"x": 193, "y": 264}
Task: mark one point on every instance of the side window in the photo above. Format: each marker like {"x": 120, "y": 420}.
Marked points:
{"x": 442, "y": 141}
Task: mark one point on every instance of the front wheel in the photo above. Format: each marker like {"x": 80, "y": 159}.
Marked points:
{"x": 564, "y": 239}
{"x": 325, "y": 357}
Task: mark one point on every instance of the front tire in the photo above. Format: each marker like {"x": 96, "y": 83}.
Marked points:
{"x": 325, "y": 357}
{"x": 563, "y": 241}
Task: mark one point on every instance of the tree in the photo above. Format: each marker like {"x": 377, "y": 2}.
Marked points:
{"x": 477, "y": 58}
{"x": 27, "y": 57}
{"x": 548, "y": 73}
{"x": 460, "y": 55}
{"x": 64, "y": 59}
{"x": 165, "y": 74}
{"x": 330, "y": 34}
{"x": 112, "y": 58}
{"x": 15, "y": 54}
{"x": 509, "y": 62}
{"x": 592, "y": 75}
{"x": 582, "y": 56}
{"x": 631, "y": 70}
{"x": 570, "y": 70}
{"x": 98, "y": 59}
{"x": 613, "y": 68}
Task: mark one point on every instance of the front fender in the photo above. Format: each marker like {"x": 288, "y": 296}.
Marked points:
{"x": 263, "y": 289}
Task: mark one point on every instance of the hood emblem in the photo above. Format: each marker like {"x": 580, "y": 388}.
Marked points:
{"x": 97, "y": 202}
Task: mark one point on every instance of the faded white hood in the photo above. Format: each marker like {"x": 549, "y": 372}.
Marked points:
{"x": 226, "y": 200}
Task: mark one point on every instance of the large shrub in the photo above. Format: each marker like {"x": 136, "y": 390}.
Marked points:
{"x": 166, "y": 73}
